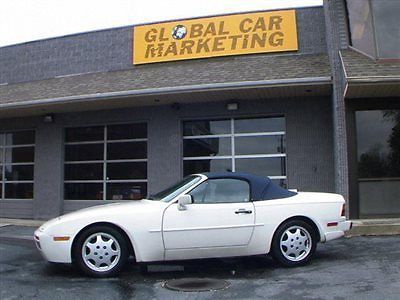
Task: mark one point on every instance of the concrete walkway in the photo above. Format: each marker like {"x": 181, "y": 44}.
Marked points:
{"x": 375, "y": 227}
{"x": 20, "y": 222}
{"x": 17, "y": 233}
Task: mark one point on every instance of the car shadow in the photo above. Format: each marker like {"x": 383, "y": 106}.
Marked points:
{"x": 214, "y": 267}
{"x": 236, "y": 267}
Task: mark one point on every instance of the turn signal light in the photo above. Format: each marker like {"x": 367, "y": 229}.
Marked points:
{"x": 60, "y": 238}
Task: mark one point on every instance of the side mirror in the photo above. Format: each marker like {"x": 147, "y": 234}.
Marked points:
{"x": 183, "y": 201}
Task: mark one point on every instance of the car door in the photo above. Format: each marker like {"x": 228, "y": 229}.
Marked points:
{"x": 221, "y": 215}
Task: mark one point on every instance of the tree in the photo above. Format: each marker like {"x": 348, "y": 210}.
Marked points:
{"x": 393, "y": 158}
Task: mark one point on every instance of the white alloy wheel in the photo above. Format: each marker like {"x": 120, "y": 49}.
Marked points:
{"x": 101, "y": 252}
{"x": 295, "y": 243}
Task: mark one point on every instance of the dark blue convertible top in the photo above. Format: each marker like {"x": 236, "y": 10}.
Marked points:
{"x": 261, "y": 188}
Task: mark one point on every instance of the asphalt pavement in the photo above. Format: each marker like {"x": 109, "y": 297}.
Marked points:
{"x": 348, "y": 268}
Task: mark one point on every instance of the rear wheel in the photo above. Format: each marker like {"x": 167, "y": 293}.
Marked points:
{"x": 294, "y": 243}
{"x": 100, "y": 251}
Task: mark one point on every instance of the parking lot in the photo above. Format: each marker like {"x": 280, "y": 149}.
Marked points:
{"x": 349, "y": 268}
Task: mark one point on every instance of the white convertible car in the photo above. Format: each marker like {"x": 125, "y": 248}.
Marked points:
{"x": 203, "y": 216}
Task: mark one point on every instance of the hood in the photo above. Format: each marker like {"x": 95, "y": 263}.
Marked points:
{"x": 101, "y": 210}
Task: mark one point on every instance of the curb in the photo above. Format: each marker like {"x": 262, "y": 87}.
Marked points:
{"x": 371, "y": 227}
{"x": 20, "y": 222}
{"x": 22, "y": 239}
{"x": 373, "y": 230}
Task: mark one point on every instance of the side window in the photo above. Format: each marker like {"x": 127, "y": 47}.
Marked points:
{"x": 199, "y": 193}
{"x": 221, "y": 191}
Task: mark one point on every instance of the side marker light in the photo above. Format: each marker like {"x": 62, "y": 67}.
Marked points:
{"x": 61, "y": 238}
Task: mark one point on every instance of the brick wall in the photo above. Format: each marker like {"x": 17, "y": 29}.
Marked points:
{"x": 111, "y": 49}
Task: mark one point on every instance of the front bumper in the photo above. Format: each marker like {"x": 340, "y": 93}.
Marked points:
{"x": 339, "y": 230}
{"x": 53, "y": 251}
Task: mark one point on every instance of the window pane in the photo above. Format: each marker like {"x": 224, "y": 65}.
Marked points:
{"x": 262, "y": 166}
{"x": 21, "y": 154}
{"x": 2, "y": 141}
{"x": 84, "y": 134}
{"x": 127, "y": 131}
{"x": 199, "y": 193}
{"x": 131, "y": 150}
{"x": 378, "y": 142}
{"x": 206, "y": 127}
{"x": 133, "y": 170}
{"x": 1, "y": 155}
{"x": 259, "y": 125}
{"x": 379, "y": 198}
{"x": 207, "y": 147}
{"x": 84, "y": 152}
{"x": 226, "y": 191}
{"x": 387, "y": 32}
{"x": 126, "y": 191}
{"x": 84, "y": 172}
{"x": 361, "y": 26}
{"x": 206, "y": 165}
{"x": 19, "y": 190}
{"x": 171, "y": 192}
{"x": 20, "y": 137}
{"x": 83, "y": 191}
{"x": 15, "y": 173}
{"x": 260, "y": 145}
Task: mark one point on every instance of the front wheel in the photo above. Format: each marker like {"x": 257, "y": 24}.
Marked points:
{"x": 294, "y": 243}
{"x": 100, "y": 251}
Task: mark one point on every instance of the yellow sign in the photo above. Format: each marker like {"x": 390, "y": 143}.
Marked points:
{"x": 272, "y": 31}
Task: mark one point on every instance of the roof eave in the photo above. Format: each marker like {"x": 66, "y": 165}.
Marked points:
{"x": 373, "y": 80}
{"x": 172, "y": 90}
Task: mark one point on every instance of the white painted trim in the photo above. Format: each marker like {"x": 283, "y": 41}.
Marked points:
{"x": 261, "y": 133}
{"x": 236, "y": 156}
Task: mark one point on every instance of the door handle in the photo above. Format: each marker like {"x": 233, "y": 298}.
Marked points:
{"x": 243, "y": 211}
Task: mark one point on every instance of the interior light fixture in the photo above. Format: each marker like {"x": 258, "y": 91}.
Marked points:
{"x": 232, "y": 106}
{"x": 49, "y": 118}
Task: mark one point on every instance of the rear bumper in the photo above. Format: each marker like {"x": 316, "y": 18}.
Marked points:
{"x": 58, "y": 252}
{"x": 339, "y": 231}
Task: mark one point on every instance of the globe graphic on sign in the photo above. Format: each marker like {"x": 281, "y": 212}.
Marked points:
{"x": 179, "y": 32}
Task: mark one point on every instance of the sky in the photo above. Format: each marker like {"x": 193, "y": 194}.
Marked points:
{"x": 29, "y": 20}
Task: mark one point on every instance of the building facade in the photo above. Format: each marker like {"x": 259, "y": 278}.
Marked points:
{"x": 82, "y": 125}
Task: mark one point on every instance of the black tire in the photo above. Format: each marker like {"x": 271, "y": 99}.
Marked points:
{"x": 305, "y": 236}
{"x": 117, "y": 245}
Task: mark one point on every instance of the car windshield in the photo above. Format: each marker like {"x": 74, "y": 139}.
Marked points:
{"x": 173, "y": 191}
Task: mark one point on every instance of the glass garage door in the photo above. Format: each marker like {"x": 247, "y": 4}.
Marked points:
{"x": 106, "y": 162}
{"x": 17, "y": 152}
{"x": 255, "y": 145}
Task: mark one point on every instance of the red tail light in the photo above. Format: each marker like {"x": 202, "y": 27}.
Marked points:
{"x": 343, "y": 210}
